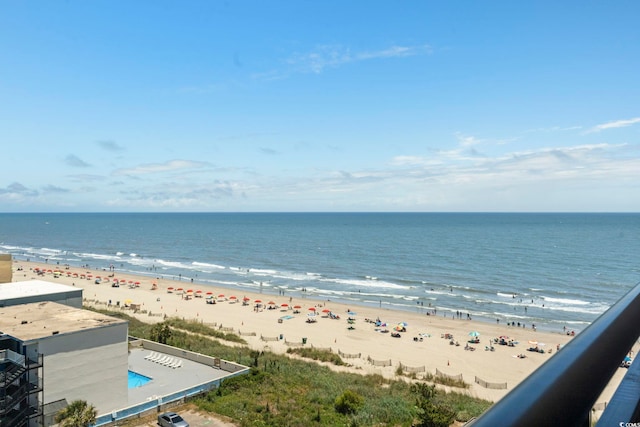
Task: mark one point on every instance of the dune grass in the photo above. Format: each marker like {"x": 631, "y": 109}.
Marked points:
{"x": 285, "y": 391}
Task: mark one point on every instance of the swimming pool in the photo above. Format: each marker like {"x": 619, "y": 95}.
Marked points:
{"x": 136, "y": 380}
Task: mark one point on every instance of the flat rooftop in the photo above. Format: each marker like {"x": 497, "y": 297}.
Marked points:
{"x": 30, "y": 288}
{"x": 166, "y": 380}
{"x": 38, "y": 320}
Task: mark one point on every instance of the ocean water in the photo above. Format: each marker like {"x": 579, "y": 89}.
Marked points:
{"x": 552, "y": 270}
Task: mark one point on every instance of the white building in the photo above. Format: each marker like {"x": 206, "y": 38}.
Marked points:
{"x": 29, "y": 291}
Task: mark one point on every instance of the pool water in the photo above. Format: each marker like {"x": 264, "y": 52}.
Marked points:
{"x": 136, "y": 380}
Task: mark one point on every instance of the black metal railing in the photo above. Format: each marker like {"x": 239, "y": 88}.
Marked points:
{"x": 564, "y": 389}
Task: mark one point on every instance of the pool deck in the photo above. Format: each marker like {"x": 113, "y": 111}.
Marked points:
{"x": 166, "y": 380}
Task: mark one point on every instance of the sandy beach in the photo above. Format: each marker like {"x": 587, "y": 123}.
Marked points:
{"x": 423, "y": 347}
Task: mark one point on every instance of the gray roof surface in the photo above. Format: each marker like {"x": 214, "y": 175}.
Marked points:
{"x": 40, "y": 319}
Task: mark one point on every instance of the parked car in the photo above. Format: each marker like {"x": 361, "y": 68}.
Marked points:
{"x": 171, "y": 419}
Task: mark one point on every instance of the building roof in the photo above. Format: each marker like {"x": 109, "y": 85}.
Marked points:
{"x": 30, "y": 288}
{"x": 41, "y": 319}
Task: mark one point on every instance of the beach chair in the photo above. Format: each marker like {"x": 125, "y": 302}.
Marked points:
{"x": 177, "y": 364}
{"x": 150, "y": 355}
{"x": 155, "y": 357}
{"x": 162, "y": 360}
{"x": 170, "y": 361}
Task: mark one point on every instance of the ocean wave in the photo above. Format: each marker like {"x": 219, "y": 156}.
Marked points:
{"x": 172, "y": 264}
{"x": 510, "y": 315}
{"x": 502, "y": 294}
{"x": 432, "y": 291}
{"x": 262, "y": 271}
{"x": 142, "y": 262}
{"x": 101, "y": 257}
{"x": 565, "y": 301}
{"x": 14, "y": 248}
{"x": 46, "y": 251}
{"x": 207, "y": 266}
{"x": 365, "y": 283}
{"x": 595, "y": 309}
{"x": 298, "y": 277}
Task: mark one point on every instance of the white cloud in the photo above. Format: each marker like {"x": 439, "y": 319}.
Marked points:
{"x": 553, "y": 129}
{"x": 614, "y": 125}
{"x": 331, "y": 56}
{"x": 467, "y": 140}
{"x": 170, "y": 166}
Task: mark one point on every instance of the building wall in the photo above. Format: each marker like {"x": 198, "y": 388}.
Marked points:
{"x": 90, "y": 365}
{"x": 6, "y": 272}
{"x": 72, "y": 299}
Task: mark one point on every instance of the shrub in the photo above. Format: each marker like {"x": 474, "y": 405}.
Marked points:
{"x": 348, "y": 402}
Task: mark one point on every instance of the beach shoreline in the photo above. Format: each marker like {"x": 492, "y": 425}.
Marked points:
{"x": 423, "y": 347}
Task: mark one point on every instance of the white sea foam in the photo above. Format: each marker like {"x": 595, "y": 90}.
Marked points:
{"x": 207, "y": 266}
{"x": 84, "y": 255}
{"x": 594, "y": 309}
{"x": 262, "y": 271}
{"x": 565, "y": 301}
{"x": 293, "y": 276}
{"x": 14, "y": 248}
{"x": 431, "y": 291}
{"x": 366, "y": 283}
{"x": 171, "y": 264}
{"x": 502, "y": 294}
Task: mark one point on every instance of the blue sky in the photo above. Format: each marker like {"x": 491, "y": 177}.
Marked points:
{"x": 319, "y": 106}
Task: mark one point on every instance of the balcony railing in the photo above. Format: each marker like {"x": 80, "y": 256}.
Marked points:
{"x": 564, "y": 389}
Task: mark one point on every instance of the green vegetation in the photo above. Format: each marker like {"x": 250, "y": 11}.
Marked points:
{"x": 432, "y": 411}
{"x": 161, "y": 332}
{"x": 451, "y": 382}
{"x": 77, "y": 414}
{"x": 199, "y": 328}
{"x": 284, "y": 391}
{"x": 316, "y": 354}
{"x": 348, "y": 402}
